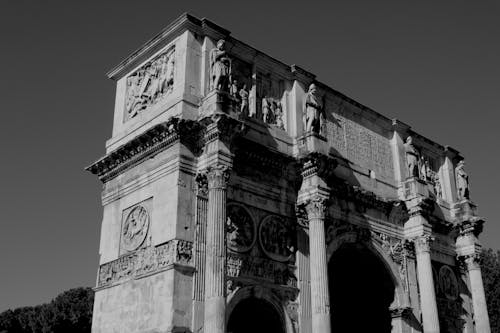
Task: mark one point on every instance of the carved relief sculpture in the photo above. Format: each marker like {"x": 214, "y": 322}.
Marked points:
{"x": 411, "y": 158}
{"x": 313, "y": 110}
{"x": 135, "y": 228}
{"x": 244, "y": 101}
{"x": 150, "y": 83}
{"x": 448, "y": 284}
{"x": 240, "y": 229}
{"x": 275, "y": 238}
{"x": 462, "y": 181}
{"x": 220, "y": 67}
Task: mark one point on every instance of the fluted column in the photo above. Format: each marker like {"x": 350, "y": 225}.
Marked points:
{"x": 320, "y": 296}
{"x": 215, "y": 267}
{"x": 481, "y": 318}
{"x": 426, "y": 284}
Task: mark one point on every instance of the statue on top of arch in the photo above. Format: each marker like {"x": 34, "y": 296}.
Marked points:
{"x": 220, "y": 67}
{"x": 313, "y": 112}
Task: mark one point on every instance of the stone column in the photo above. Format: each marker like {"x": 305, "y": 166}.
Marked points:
{"x": 320, "y": 296}
{"x": 215, "y": 267}
{"x": 426, "y": 284}
{"x": 481, "y": 318}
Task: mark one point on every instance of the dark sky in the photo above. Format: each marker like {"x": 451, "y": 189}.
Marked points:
{"x": 432, "y": 64}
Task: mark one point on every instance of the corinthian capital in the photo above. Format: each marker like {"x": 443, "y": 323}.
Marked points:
{"x": 423, "y": 243}
{"x": 313, "y": 207}
{"x": 473, "y": 261}
{"x": 217, "y": 176}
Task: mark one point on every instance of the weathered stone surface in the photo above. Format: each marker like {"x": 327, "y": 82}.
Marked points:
{"x": 231, "y": 180}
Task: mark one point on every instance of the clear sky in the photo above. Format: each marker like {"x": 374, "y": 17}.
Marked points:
{"x": 432, "y": 64}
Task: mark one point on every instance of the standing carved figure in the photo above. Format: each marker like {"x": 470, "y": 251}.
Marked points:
{"x": 437, "y": 187}
{"x": 313, "y": 108}
{"x": 462, "y": 181}
{"x": 411, "y": 158}
{"x": 244, "y": 100}
{"x": 220, "y": 66}
{"x": 265, "y": 110}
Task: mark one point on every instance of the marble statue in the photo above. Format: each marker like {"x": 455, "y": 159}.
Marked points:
{"x": 462, "y": 181}
{"x": 220, "y": 67}
{"x": 411, "y": 158}
{"x": 233, "y": 89}
{"x": 437, "y": 187}
{"x": 265, "y": 111}
{"x": 244, "y": 100}
{"x": 313, "y": 108}
{"x": 278, "y": 114}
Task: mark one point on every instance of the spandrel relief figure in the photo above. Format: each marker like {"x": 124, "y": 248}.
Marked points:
{"x": 244, "y": 100}
{"x": 220, "y": 67}
{"x": 462, "y": 181}
{"x": 412, "y": 158}
{"x": 313, "y": 110}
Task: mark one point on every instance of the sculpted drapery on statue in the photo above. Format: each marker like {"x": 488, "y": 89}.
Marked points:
{"x": 313, "y": 116}
{"x": 220, "y": 67}
{"x": 412, "y": 156}
{"x": 462, "y": 181}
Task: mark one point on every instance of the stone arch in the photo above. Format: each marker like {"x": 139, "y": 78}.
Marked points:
{"x": 363, "y": 237}
{"x": 261, "y": 293}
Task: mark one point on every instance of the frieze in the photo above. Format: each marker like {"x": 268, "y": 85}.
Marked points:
{"x": 242, "y": 266}
{"x": 448, "y": 283}
{"x": 150, "y": 83}
{"x": 145, "y": 262}
{"x": 147, "y": 144}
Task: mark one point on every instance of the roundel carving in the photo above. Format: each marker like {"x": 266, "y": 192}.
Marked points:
{"x": 275, "y": 238}
{"x": 448, "y": 283}
{"x": 135, "y": 228}
{"x": 240, "y": 229}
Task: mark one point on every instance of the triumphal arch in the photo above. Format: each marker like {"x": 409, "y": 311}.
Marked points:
{"x": 243, "y": 195}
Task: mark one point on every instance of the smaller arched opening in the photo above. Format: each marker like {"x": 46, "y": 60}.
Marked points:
{"x": 361, "y": 290}
{"x": 254, "y": 314}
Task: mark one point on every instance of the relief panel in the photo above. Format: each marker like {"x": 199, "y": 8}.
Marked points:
{"x": 150, "y": 83}
{"x": 136, "y": 221}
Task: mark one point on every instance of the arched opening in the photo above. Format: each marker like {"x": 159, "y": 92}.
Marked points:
{"x": 252, "y": 315}
{"x": 361, "y": 291}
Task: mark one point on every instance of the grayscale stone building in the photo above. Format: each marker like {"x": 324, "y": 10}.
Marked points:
{"x": 242, "y": 195}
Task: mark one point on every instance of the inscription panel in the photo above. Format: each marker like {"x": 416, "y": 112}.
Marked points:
{"x": 358, "y": 144}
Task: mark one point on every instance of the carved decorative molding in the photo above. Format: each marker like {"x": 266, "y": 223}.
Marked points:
{"x": 222, "y": 127}
{"x": 148, "y": 144}
{"x": 318, "y": 164}
{"x": 423, "y": 243}
{"x": 471, "y": 261}
{"x": 364, "y": 198}
{"x": 260, "y": 269}
{"x": 146, "y": 261}
{"x": 201, "y": 184}
{"x": 472, "y": 226}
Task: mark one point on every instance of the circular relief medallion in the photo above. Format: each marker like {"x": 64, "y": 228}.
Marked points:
{"x": 240, "y": 228}
{"x": 448, "y": 283}
{"x": 135, "y": 228}
{"x": 275, "y": 238}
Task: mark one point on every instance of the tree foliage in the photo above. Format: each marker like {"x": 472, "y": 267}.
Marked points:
{"x": 491, "y": 278}
{"x": 70, "y": 311}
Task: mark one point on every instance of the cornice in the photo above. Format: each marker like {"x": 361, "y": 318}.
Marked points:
{"x": 147, "y": 145}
